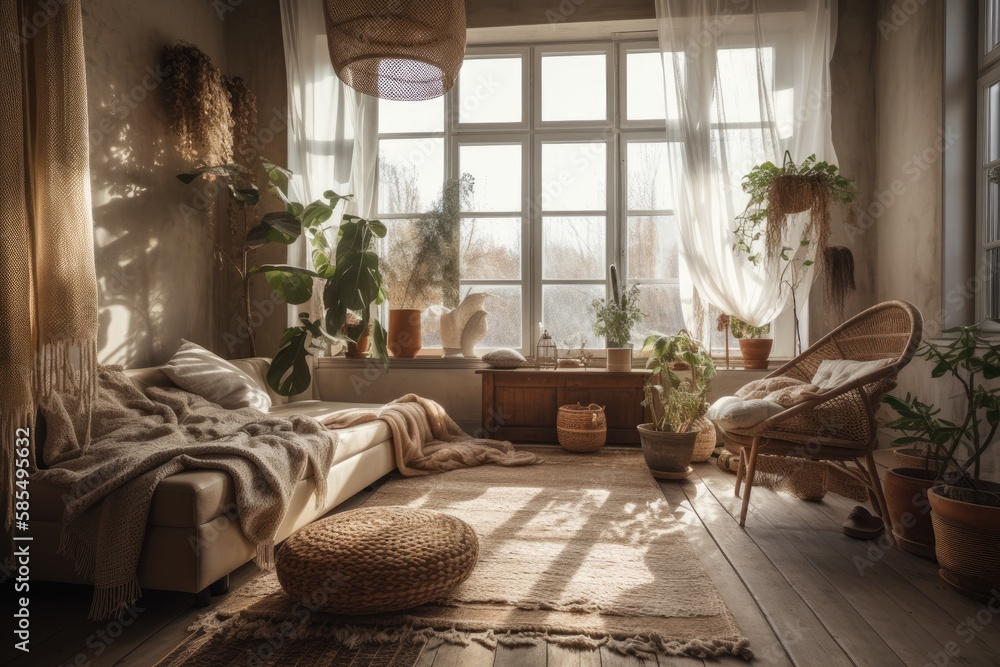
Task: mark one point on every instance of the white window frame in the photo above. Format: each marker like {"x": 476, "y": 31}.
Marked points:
{"x": 989, "y": 75}
{"x": 531, "y": 132}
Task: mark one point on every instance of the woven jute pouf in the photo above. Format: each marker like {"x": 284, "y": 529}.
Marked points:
{"x": 376, "y": 560}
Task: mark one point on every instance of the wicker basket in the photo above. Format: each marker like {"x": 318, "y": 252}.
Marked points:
{"x": 582, "y": 428}
{"x": 705, "y": 444}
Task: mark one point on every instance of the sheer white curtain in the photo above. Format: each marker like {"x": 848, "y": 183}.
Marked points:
{"x": 744, "y": 80}
{"x": 332, "y": 132}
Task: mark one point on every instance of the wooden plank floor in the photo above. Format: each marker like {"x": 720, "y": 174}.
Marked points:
{"x": 801, "y": 591}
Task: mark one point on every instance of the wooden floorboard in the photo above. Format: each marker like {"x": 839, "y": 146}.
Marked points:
{"x": 802, "y": 635}
{"x": 801, "y": 591}
{"x": 891, "y": 639}
{"x": 764, "y": 644}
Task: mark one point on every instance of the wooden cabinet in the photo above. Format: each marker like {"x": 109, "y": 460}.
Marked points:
{"x": 522, "y": 404}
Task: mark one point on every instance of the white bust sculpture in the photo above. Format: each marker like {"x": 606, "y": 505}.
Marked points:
{"x": 465, "y": 326}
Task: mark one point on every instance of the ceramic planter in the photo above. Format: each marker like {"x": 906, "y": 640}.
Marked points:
{"x": 909, "y": 510}
{"x": 967, "y": 539}
{"x": 667, "y": 455}
{"x": 756, "y": 352}
{"x": 404, "y": 332}
{"x": 619, "y": 359}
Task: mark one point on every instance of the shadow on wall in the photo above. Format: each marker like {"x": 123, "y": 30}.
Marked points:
{"x": 154, "y": 256}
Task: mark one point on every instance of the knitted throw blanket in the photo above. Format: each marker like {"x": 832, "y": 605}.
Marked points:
{"x": 136, "y": 440}
{"x": 427, "y": 440}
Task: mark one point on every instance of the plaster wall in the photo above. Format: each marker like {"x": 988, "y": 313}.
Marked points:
{"x": 157, "y": 277}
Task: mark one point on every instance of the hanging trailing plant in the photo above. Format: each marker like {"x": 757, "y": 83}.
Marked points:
{"x": 199, "y": 106}
{"x": 243, "y": 102}
{"x": 838, "y": 264}
{"x": 777, "y": 192}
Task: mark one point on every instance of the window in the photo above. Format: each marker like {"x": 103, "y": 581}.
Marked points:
{"x": 568, "y": 153}
{"x": 989, "y": 162}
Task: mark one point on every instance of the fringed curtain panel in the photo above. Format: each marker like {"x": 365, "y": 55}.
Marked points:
{"x": 48, "y": 286}
{"x": 745, "y": 80}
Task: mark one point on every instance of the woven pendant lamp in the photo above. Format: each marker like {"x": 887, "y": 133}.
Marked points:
{"x": 397, "y": 49}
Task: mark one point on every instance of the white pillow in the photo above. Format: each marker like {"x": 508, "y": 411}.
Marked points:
{"x": 195, "y": 369}
{"x": 504, "y": 358}
{"x": 837, "y": 372}
{"x": 733, "y": 412}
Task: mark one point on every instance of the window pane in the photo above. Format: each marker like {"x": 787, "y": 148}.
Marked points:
{"x": 652, "y": 248}
{"x": 574, "y": 177}
{"x": 649, "y": 186}
{"x": 644, "y": 85}
{"x": 992, "y": 277}
{"x": 993, "y": 122}
{"x": 739, "y": 82}
{"x": 491, "y": 249}
{"x": 504, "y": 315}
{"x": 662, "y": 305}
{"x": 398, "y": 263}
{"x": 574, "y": 87}
{"x": 423, "y": 116}
{"x": 574, "y": 248}
{"x": 992, "y": 212}
{"x": 411, "y": 174}
{"x": 497, "y": 170}
{"x": 568, "y": 313}
{"x": 490, "y": 90}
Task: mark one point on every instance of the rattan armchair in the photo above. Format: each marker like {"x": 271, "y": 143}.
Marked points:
{"x": 839, "y": 426}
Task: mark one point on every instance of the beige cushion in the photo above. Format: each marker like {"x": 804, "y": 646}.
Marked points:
{"x": 838, "y": 372}
{"x": 195, "y": 369}
{"x": 734, "y": 412}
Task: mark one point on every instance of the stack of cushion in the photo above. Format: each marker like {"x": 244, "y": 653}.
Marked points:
{"x": 762, "y": 399}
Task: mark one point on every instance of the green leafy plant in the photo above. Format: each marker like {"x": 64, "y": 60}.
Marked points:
{"x": 676, "y": 402}
{"x": 354, "y": 284}
{"x": 291, "y": 283}
{"x": 776, "y": 192}
{"x": 971, "y": 360}
{"x": 741, "y": 329}
{"x": 617, "y": 318}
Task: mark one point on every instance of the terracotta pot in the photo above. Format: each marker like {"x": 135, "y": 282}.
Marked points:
{"x": 909, "y": 510}
{"x": 915, "y": 456}
{"x": 756, "y": 352}
{"x": 619, "y": 359}
{"x": 404, "y": 332}
{"x": 664, "y": 452}
{"x": 967, "y": 539}
{"x": 358, "y": 350}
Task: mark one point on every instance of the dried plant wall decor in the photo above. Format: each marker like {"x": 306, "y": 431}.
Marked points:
{"x": 243, "y": 102}
{"x": 201, "y": 113}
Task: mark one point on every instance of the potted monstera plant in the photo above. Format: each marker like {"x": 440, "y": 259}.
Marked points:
{"x": 615, "y": 320}
{"x": 964, "y": 508}
{"x": 676, "y": 402}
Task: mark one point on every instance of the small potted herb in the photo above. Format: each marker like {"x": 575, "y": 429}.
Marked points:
{"x": 616, "y": 320}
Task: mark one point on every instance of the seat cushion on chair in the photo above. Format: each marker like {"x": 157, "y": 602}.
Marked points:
{"x": 734, "y": 412}
{"x": 838, "y": 372}
{"x": 783, "y": 390}
{"x": 376, "y": 560}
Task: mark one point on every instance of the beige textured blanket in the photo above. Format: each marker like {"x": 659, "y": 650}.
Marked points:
{"x": 139, "y": 439}
{"x": 427, "y": 440}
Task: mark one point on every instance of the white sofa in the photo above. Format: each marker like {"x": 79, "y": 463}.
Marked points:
{"x": 193, "y": 537}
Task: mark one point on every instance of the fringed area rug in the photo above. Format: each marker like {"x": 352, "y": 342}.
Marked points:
{"x": 581, "y": 551}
